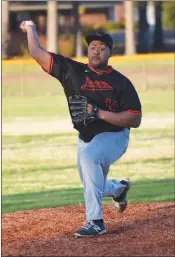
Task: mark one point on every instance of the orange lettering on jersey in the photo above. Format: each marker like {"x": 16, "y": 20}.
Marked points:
{"x": 96, "y": 85}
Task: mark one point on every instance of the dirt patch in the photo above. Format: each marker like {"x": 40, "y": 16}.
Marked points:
{"x": 33, "y": 126}
{"x": 142, "y": 230}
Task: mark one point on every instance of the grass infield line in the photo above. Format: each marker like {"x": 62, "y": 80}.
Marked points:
{"x": 113, "y": 59}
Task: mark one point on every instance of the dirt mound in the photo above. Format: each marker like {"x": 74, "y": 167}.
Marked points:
{"x": 142, "y": 230}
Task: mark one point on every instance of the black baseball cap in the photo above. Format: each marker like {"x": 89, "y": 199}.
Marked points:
{"x": 101, "y": 36}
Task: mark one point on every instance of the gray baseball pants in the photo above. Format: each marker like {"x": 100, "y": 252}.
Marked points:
{"x": 94, "y": 160}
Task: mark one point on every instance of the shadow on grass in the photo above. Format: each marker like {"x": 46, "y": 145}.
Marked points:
{"x": 141, "y": 191}
{"x": 43, "y": 168}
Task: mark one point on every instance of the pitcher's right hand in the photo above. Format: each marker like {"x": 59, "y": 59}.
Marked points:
{"x": 25, "y": 24}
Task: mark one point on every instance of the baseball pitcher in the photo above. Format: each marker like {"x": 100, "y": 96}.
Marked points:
{"x": 103, "y": 106}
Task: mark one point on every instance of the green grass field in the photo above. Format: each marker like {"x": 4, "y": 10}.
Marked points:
{"x": 39, "y": 146}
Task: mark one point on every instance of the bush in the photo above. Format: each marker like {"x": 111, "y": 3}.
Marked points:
{"x": 66, "y": 45}
{"x": 24, "y": 51}
{"x": 113, "y": 26}
{"x": 169, "y": 15}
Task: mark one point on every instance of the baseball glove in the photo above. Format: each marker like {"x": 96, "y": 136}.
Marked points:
{"x": 79, "y": 109}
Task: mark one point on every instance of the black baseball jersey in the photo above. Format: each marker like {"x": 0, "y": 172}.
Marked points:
{"x": 109, "y": 89}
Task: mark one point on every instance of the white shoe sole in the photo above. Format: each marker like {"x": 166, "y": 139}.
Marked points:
{"x": 79, "y": 235}
{"x": 116, "y": 204}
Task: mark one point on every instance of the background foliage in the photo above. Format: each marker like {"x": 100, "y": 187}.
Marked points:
{"x": 169, "y": 15}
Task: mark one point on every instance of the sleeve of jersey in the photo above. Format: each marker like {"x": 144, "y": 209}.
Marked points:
{"x": 59, "y": 67}
{"x": 129, "y": 100}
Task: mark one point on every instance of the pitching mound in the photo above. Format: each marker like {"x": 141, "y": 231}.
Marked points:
{"x": 142, "y": 230}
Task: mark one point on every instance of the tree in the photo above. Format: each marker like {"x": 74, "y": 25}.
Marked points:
{"x": 5, "y": 28}
{"x": 77, "y": 30}
{"x": 129, "y": 29}
{"x": 52, "y": 26}
{"x": 143, "y": 28}
{"x": 158, "y": 44}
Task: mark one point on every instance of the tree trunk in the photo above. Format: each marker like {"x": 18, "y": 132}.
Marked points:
{"x": 158, "y": 44}
{"x": 129, "y": 29}
{"x": 143, "y": 44}
{"x": 5, "y": 28}
{"x": 52, "y": 26}
{"x": 78, "y": 31}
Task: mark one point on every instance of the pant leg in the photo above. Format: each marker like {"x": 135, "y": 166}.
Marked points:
{"x": 81, "y": 146}
{"x": 113, "y": 188}
{"x": 102, "y": 151}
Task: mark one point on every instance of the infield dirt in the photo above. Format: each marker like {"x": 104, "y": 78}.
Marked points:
{"x": 142, "y": 230}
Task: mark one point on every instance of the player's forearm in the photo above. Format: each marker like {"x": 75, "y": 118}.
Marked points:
{"x": 35, "y": 48}
{"x": 121, "y": 119}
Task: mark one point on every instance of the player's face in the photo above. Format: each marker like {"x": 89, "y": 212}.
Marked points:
{"x": 98, "y": 53}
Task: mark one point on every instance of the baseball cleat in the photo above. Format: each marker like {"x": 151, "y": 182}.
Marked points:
{"x": 121, "y": 201}
{"x": 90, "y": 229}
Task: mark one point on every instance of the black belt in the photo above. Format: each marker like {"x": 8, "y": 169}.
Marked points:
{"x": 87, "y": 141}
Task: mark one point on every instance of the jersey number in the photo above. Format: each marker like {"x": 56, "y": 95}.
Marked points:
{"x": 111, "y": 106}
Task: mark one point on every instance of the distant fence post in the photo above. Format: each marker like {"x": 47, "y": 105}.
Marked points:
{"x": 78, "y": 30}
{"x": 129, "y": 30}
{"x": 5, "y": 28}
{"x": 52, "y": 26}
